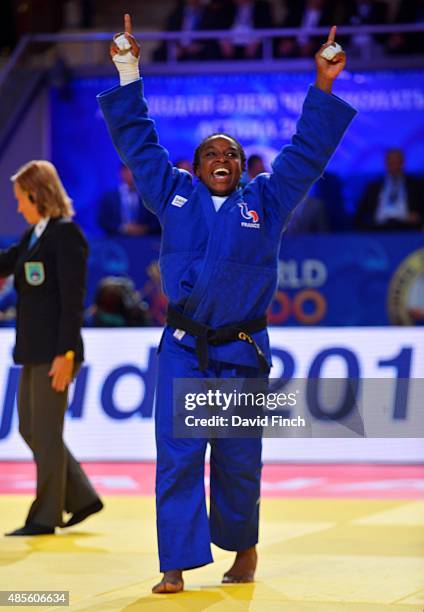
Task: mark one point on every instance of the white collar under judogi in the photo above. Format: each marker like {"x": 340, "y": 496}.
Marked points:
{"x": 218, "y": 201}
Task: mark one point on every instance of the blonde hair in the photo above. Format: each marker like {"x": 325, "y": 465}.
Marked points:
{"x": 40, "y": 179}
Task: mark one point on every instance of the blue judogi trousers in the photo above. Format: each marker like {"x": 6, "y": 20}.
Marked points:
{"x": 184, "y": 530}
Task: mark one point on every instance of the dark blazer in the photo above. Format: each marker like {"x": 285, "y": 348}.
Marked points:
{"x": 110, "y": 215}
{"x": 296, "y": 10}
{"x": 50, "y": 283}
{"x": 365, "y": 214}
{"x": 293, "y": 19}
{"x": 351, "y": 16}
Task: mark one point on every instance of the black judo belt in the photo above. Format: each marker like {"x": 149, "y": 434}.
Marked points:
{"x": 221, "y": 335}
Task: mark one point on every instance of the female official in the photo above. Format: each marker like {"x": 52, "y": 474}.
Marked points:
{"x": 49, "y": 267}
{"x": 218, "y": 261}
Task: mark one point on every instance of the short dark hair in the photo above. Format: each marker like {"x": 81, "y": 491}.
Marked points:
{"x": 196, "y": 159}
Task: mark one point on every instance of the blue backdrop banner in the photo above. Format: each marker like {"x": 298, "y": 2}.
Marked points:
{"x": 259, "y": 109}
{"x": 373, "y": 279}
{"x": 344, "y": 280}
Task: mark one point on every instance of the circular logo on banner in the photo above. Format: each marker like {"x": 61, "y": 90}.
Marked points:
{"x": 405, "y": 300}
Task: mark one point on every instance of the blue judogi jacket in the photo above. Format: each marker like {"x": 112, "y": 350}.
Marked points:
{"x": 220, "y": 268}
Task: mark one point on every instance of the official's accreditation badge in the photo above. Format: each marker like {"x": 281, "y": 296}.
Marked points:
{"x": 406, "y": 291}
{"x": 34, "y": 273}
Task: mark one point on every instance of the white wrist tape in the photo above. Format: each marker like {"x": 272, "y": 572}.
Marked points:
{"x": 331, "y": 51}
{"x": 125, "y": 62}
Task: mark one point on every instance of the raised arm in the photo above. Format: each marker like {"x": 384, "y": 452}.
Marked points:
{"x": 323, "y": 121}
{"x": 133, "y": 132}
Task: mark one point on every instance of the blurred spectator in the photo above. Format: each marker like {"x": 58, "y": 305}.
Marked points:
{"x": 329, "y": 190}
{"x": 247, "y": 15}
{"x": 395, "y": 201}
{"x": 309, "y": 217}
{"x": 255, "y": 166}
{"x": 322, "y": 211}
{"x": 184, "y": 164}
{"x": 186, "y": 17}
{"x": 364, "y": 12}
{"x": 121, "y": 211}
{"x": 78, "y": 14}
{"x": 408, "y": 11}
{"x": 117, "y": 304}
{"x": 305, "y": 14}
{"x": 218, "y": 15}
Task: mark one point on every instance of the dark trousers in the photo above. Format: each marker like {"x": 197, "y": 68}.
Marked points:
{"x": 62, "y": 485}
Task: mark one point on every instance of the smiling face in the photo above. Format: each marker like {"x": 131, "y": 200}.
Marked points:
{"x": 220, "y": 165}
{"x": 26, "y": 208}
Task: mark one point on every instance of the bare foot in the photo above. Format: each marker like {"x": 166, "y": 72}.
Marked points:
{"x": 243, "y": 568}
{"x": 172, "y": 582}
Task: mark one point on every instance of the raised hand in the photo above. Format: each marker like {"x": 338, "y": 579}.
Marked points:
{"x": 328, "y": 70}
{"x": 127, "y": 33}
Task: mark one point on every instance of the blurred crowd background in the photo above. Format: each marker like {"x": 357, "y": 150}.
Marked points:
{"x": 20, "y": 17}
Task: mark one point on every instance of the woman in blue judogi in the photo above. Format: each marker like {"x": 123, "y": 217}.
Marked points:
{"x": 218, "y": 261}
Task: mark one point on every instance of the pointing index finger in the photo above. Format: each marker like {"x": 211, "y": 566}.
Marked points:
{"x": 127, "y": 23}
{"x": 331, "y": 35}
